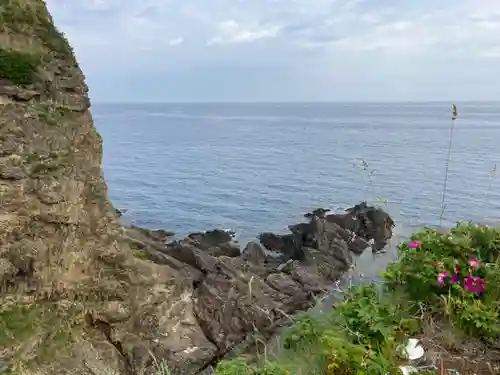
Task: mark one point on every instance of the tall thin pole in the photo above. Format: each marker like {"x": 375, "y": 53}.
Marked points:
{"x": 447, "y": 165}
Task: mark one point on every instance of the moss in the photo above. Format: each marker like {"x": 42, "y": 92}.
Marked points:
{"x": 17, "y": 323}
{"x": 134, "y": 245}
{"x": 18, "y": 67}
{"x": 48, "y": 326}
{"x": 44, "y": 168}
{"x": 46, "y": 118}
{"x": 53, "y": 116}
{"x": 139, "y": 254}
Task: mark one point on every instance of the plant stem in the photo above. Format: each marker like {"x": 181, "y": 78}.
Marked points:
{"x": 441, "y": 216}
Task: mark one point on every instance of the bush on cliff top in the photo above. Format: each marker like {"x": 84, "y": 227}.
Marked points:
{"x": 33, "y": 20}
{"x": 450, "y": 279}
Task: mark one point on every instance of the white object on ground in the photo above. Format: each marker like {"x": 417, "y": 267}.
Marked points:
{"x": 407, "y": 370}
{"x": 414, "y": 350}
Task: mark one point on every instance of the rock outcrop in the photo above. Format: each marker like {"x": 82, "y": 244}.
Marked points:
{"x": 236, "y": 295}
{"x": 80, "y": 294}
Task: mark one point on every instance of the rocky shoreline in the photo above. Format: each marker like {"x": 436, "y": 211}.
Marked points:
{"x": 236, "y": 295}
{"x": 82, "y": 294}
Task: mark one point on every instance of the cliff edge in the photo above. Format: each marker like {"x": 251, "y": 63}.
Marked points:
{"x": 80, "y": 294}
{"x": 66, "y": 276}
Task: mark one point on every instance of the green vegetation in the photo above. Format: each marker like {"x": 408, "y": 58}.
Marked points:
{"x": 139, "y": 254}
{"x": 53, "y": 115}
{"x": 43, "y": 167}
{"x": 33, "y": 21}
{"x": 18, "y": 67}
{"x": 444, "y": 290}
{"x": 16, "y": 324}
{"x": 46, "y": 118}
{"x": 46, "y": 326}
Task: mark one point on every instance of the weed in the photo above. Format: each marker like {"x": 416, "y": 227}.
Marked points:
{"x": 447, "y": 164}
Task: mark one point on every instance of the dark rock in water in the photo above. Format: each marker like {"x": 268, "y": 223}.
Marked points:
{"x": 163, "y": 234}
{"x": 235, "y": 293}
{"x": 254, "y": 253}
{"x": 319, "y": 212}
{"x": 368, "y": 222}
{"x": 286, "y": 244}
{"x": 215, "y": 242}
{"x": 156, "y": 235}
{"x": 212, "y": 237}
{"x": 121, "y": 212}
{"x": 358, "y": 245}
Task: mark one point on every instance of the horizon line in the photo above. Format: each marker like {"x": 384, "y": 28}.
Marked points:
{"x": 298, "y": 102}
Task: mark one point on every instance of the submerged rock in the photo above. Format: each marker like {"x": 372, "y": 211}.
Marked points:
{"x": 81, "y": 294}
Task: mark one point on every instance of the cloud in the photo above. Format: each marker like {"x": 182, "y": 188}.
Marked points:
{"x": 233, "y": 32}
{"x": 327, "y": 44}
{"x": 360, "y": 25}
{"x": 176, "y": 41}
{"x": 493, "y": 52}
{"x": 400, "y": 36}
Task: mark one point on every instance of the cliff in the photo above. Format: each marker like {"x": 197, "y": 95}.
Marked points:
{"x": 80, "y": 294}
{"x": 65, "y": 273}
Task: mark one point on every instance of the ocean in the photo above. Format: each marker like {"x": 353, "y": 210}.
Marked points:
{"x": 259, "y": 167}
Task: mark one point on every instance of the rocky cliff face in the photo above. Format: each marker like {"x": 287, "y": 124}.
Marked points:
{"x": 82, "y": 295}
{"x": 65, "y": 275}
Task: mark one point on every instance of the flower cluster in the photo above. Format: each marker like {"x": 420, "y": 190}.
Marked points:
{"x": 473, "y": 284}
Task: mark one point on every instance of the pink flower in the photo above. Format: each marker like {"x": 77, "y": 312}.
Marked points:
{"x": 474, "y": 284}
{"x": 441, "y": 277}
{"x": 455, "y": 279}
{"x": 474, "y": 263}
{"x": 414, "y": 244}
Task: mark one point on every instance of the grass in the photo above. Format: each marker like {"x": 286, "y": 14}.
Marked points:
{"x": 16, "y": 324}
{"x": 365, "y": 333}
{"x": 447, "y": 164}
{"x": 18, "y": 67}
{"x": 46, "y": 327}
{"x": 53, "y": 116}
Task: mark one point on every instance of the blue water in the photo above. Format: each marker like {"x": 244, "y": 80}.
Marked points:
{"x": 259, "y": 167}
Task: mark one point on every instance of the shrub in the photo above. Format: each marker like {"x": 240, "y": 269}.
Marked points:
{"x": 233, "y": 367}
{"x": 18, "y": 67}
{"x": 450, "y": 276}
{"x": 454, "y": 274}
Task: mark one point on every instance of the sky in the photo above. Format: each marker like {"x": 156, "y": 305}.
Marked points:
{"x": 285, "y": 50}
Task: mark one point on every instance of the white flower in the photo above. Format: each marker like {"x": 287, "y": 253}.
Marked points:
{"x": 414, "y": 350}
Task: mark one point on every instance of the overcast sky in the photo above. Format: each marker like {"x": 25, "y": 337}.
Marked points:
{"x": 285, "y": 50}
